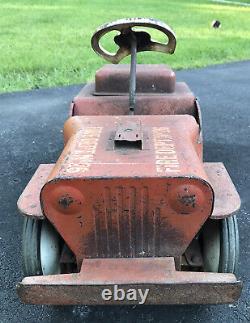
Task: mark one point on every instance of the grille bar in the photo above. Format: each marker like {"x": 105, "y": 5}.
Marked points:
{"x": 123, "y": 224}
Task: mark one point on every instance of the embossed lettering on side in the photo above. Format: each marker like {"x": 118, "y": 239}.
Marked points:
{"x": 82, "y": 155}
{"x": 166, "y": 159}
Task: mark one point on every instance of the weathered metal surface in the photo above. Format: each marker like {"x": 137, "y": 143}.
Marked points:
{"x": 29, "y": 201}
{"x": 227, "y": 201}
{"x": 180, "y": 102}
{"x": 127, "y": 190}
{"x": 129, "y": 132}
{"x": 114, "y": 79}
{"x": 126, "y": 27}
{"x": 166, "y": 286}
{"x": 132, "y": 77}
{"x": 127, "y": 201}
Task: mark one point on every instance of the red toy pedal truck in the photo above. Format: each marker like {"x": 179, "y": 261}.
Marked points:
{"x": 130, "y": 205}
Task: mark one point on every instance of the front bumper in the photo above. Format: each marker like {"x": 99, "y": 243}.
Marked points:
{"x": 165, "y": 285}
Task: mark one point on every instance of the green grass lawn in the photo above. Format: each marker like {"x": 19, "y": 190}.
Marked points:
{"x": 46, "y": 43}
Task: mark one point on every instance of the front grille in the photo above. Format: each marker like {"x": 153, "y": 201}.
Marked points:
{"x": 124, "y": 226}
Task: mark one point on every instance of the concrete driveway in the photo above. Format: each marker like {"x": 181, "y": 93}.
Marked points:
{"x": 30, "y": 129}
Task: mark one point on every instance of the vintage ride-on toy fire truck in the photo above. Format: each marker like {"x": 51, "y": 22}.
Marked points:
{"x": 130, "y": 206}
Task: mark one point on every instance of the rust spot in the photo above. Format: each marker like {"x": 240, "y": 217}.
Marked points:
{"x": 65, "y": 201}
{"x": 188, "y": 200}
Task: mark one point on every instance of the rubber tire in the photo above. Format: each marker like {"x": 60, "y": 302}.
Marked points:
{"x": 229, "y": 245}
{"x": 223, "y": 236}
{"x": 31, "y": 247}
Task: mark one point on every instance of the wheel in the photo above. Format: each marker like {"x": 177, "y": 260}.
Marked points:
{"x": 230, "y": 246}
{"x": 220, "y": 245}
{"x": 41, "y": 248}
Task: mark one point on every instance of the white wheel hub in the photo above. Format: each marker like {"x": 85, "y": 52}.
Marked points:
{"x": 49, "y": 250}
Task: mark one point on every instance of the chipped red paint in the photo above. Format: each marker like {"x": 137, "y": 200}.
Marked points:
{"x": 227, "y": 200}
{"x": 128, "y": 201}
{"x": 130, "y": 193}
{"x": 157, "y": 93}
{"x": 165, "y": 284}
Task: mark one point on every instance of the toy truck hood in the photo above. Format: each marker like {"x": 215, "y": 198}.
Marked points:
{"x": 141, "y": 194}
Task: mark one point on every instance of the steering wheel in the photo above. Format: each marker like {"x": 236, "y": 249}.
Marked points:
{"x": 123, "y": 40}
